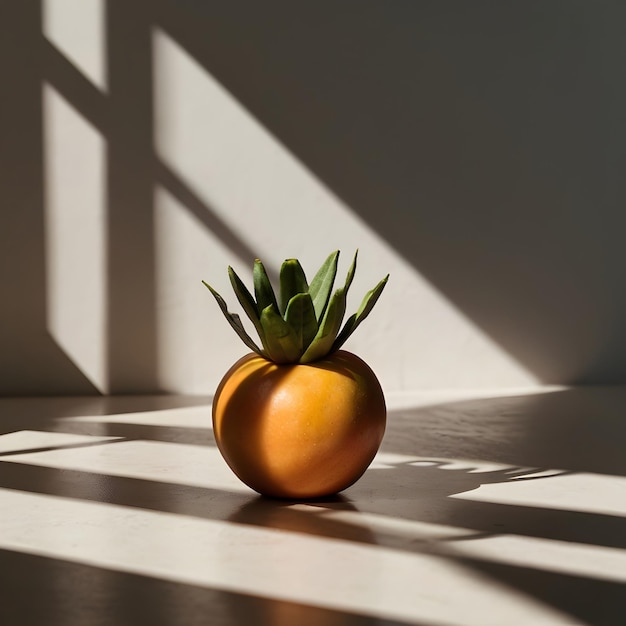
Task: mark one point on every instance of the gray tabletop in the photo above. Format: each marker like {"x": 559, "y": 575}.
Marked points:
{"x": 481, "y": 508}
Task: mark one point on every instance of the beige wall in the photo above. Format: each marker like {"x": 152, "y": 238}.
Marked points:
{"x": 474, "y": 150}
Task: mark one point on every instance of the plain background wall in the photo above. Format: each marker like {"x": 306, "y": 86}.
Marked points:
{"x": 474, "y": 150}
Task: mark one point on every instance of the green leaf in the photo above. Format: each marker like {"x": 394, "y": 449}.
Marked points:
{"x": 323, "y": 342}
{"x": 363, "y": 311}
{"x": 235, "y": 321}
{"x": 322, "y": 284}
{"x": 300, "y": 315}
{"x": 292, "y": 282}
{"x": 281, "y": 341}
{"x": 351, "y": 272}
{"x": 305, "y": 325}
{"x": 262, "y": 288}
{"x": 246, "y": 300}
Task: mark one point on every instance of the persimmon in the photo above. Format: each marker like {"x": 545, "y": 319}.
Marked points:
{"x": 299, "y": 430}
{"x": 298, "y": 418}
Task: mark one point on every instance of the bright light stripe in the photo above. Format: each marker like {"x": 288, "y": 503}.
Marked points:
{"x": 585, "y": 492}
{"x": 419, "y": 399}
{"x": 182, "y": 417}
{"x": 169, "y": 462}
{"x": 564, "y": 557}
{"x": 399, "y": 528}
{"x": 75, "y": 196}
{"x": 178, "y": 463}
{"x": 246, "y": 176}
{"x": 35, "y": 439}
{"x": 77, "y": 29}
{"x": 365, "y": 579}
{"x": 173, "y": 463}
{"x": 186, "y": 335}
{"x": 196, "y": 416}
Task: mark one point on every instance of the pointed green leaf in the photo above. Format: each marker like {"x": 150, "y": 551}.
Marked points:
{"x": 262, "y": 288}
{"x": 235, "y": 321}
{"x": 305, "y": 325}
{"x": 292, "y": 282}
{"x": 323, "y": 342}
{"x": 363, "y": 311}
{"x": 322, "y": 284}
{"x": 281, "y": 341}
{"x": 246, "y": 300}
{"x": 351, "y": 272}
{"x": 300, "y": 315}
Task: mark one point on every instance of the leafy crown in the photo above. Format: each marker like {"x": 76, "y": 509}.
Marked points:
{"x": 303, "y": 324}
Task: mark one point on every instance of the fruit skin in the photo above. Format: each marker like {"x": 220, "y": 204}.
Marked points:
{"x": 299, "y": 431}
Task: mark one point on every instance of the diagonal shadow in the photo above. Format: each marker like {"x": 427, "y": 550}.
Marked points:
{"x": 137, "y": 432}
{"x": 401, "y": 491}
{"x": 54, "y": 414}
{"x": 491, "y": 135}
{"x": 461, "y": 156}
{"x": 203, "y": 213}
{"x": 59, "y": 71}
{"x": 51, "y": 448}
{"x": 580, "y": 429}
{"x": 594, "y": 602}
{"x": 124, "y": 117}
{"x": 503, "y": 430}
{"x": 428, "y": 502}
{"x": 603, "y": 602}
{"x": 71, "y": 593}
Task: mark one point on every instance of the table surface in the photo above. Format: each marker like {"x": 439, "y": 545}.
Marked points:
{"x": 481, "y": 508}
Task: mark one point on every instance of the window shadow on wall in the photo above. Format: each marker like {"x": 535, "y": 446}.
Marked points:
{"x": 32, "y": 359}
{"x": 29, "y": 357}
{"x": 484, "y": 143}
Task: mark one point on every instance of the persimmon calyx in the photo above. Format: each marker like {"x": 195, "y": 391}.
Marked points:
{"x": 304, "y": 323}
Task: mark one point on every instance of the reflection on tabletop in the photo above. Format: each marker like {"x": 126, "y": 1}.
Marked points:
{"x": 507, "y": 509}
